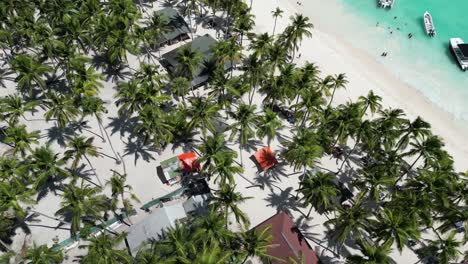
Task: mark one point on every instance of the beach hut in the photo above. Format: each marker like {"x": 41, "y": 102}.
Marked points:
{"x": 178, "y": 28}
{"x": 154, "y": 225}
{"x": 288, "y": 240}
{"x": 265, "y": 159}
{"x": 203, "y": 45}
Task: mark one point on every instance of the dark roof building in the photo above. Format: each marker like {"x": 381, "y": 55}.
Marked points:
{"x": 203, "y": 45}
{"x": 288, "y": 240}
{"x": 178, "y": 28}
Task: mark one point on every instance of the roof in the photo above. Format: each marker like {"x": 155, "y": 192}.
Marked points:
{"x": 464, "y": 50}
{"x": 153, "y": 226}
{"x": 265, "y": 158}
{"x": 288, "y": 240}
{"x": 189, "y": 162}
{"x": 197, "y": 203}
{"x": 203, "y": 45}
{"x": 176, "y": 23}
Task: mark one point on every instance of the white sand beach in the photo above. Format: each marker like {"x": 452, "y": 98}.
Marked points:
{"x": 333, "y": 55}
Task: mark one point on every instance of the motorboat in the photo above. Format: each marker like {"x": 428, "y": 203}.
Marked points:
{"x": 459, "y": 50}
{"x": 386, "y": 3}
{"x": 429, "y": 24}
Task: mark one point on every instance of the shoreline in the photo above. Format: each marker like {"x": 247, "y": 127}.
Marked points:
{"x": 334, "y": 55}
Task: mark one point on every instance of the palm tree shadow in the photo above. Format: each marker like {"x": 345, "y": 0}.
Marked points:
{"x": 115, "y": 73}
{"x": 122, "y": 124}
{"x": 4, "y": 72}
{"x": 139, "y": 149}
{"x": 170, "y": 3}
{"x": 81, "y": 173}
{"x": 51, "y": 186}
{"x": 59, "y": 134}
{"x": 283, "y": 201}
{"x": 57, "y": 84}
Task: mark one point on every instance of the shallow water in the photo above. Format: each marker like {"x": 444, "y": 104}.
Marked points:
{"x": 423, "y": 62}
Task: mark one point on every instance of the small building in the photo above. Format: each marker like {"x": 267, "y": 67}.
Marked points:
{"x": 178, "y": 28}
{"x": 203, "y": 45}
{"x": 288, "y": 240}
{"x": 153, "y": 226}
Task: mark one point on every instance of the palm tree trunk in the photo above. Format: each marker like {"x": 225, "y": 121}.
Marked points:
{"x": 94, "y": 171}
{"x": 411, "y": 167}
{"x": 300, "y": 184}
{"x": 240, "y": 154}
{"x": 227, "y": 217}
{"x": 349, "y": 155}
{"x": 331, "y": 99}
{"x": 310, "y": 210}
{"x": 274, "y": 26}
{"x": 117, "y": 160}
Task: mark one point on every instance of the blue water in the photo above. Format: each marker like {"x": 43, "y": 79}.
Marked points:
{"x": 423, "y": 62}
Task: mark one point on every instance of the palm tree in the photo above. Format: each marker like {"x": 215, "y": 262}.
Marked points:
{"x": 102, "y": 249}
{"x": 85, "y": 80}
{"x": 189, "y": 61}
{"x": 268, "y": 125}
{"x": 303, "y": 151}
{"x": 20, "y": 139}
{"x": 226, "y": 200}
{"x": 445, "y": 250}
{"x": 61, "y": 108}
{"x": 243, "y": 25}
{"x": 371, "y": 101}
{"x": 245, "y": 119}
{"x": 129, "y": 98}
{"x": 79, "y": 148}
{"x": 14, "y": 197}
{"x": 225, "y": 169}
{"x": 294, "y": 33}
{"x": 180, "y": 86}
{"x": 339, "y": 82}
{"x": 350, "y": 222}
{"x": 82, "y": 205}
{"x": 319, "y": 190}
{"x": 417, "y": 129}
{"x": 256, "y": 242}
{"x": 211, "y": 228}
{"x": 374, "y": 180}
{"x": 396, "y": 226}
{"x": 46, "y": 166}
{"x": 261, "y": 45}
{"x": 30, "y": 72}
{"x": 429, "y": 149}
{"x": 212, "y": 149}
{"x": 203, "y": 113}
{"x": 12, "y": 108}
{"x": 156, "y": 27}
{"x": 371, "y": 254}
{"x": 43, "y": 255}
{"x": 276, "y": 13}
{"x": 118, "y": 191}
{"x": 210, "y": 254}
{"x": 95, "y": 106}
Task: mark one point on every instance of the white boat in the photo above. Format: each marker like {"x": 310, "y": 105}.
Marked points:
{"x": 459, "y": 50}
{"x": 386, "y": 3}
{"x": 429, "y": 24}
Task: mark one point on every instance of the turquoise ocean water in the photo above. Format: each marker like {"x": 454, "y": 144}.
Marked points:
{"x": 423, "y": 62}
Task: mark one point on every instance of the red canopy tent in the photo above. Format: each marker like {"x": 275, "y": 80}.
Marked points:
{"x": 189, "y": 162}
{"x": 265, "y": 158}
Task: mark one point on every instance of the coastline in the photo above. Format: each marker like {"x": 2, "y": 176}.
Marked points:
{"x": 334, "y": 55}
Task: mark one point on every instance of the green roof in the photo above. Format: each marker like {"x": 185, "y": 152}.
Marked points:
{"x": 176, "y": 23}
